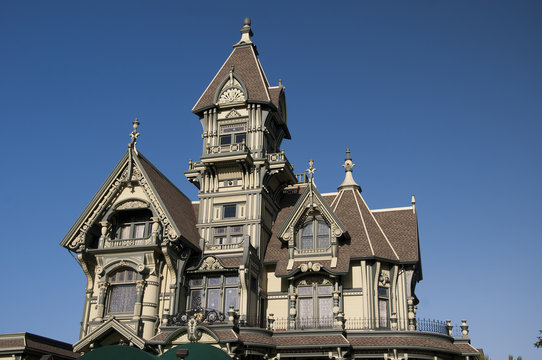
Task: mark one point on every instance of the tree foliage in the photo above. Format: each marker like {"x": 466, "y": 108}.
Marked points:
{"x": 538, "y": 344}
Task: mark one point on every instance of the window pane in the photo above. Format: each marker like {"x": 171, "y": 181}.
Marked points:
{"x": 129, "y": 275}
{"x": 229, "y": 211}
{"x": 236, "y": 239}
{"x": 125, "y": 232}
{"x": 225, "y": 140}
{"x": 196, "y": 282}
{"x": 305, "y": 312}
{"x": 383, "y": 313}
{"x": 382, "y": 291}
{"x": 325, "y": 311}
{"x": 232, "y": 280}
{"x": 196, "y": 298}
{"x": 323, "y": 228}
{"x": 231, "y": 299}
{"x": 306, "y": 242}
{"x": 122, "y": 298}
{"x": 220, "y": 240}
{"x": 139, "y": 231}
{"x": 213, "y": 299}
{"x": 325, "y": 289}
{"x": 220, "y": 230}
{"x": 304, "y": 291}
{"x": 213, "y": 281}
{"x": 236, "y": 229}
{"x": 239, "y": 138}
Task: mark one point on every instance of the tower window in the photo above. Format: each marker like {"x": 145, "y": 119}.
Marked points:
{"x": 122, "y": 291}
{"x": 233, "y": 134}
{"x": 228, "y": 235}
{"x": 229, "y": 211}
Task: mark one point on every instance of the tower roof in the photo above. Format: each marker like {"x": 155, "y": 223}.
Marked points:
{"x": 244, "y": 64}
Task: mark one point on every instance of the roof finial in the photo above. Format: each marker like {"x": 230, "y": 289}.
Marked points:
{"x": 246, "y": 33}
{"x": 413, "y": 204}
{"x": 311, "y": 170}
{"x": 134, "y": 135}
{"x": 349, "y": 181}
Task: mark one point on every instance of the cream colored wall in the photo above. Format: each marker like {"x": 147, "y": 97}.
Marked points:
{"x": 129, "y": 193}
{"x": 273, "y": 283}
{"x": 278, "y": 307}
{"x": 352, "y": 306}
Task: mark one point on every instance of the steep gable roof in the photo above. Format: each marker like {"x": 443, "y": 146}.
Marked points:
{"x": 247, "y": 68}
{"x": 177, "y": 208}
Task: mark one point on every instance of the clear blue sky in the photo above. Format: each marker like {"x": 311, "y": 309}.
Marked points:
{"x": 439, "y": 99}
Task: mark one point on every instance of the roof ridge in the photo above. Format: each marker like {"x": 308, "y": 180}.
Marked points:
{"x": 212, "y": 80}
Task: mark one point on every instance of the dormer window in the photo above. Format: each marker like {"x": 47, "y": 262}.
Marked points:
{"x": 314, "y": 235}
{"x": 132, "y": 224}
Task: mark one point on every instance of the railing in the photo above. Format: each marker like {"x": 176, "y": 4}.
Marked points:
{"x": 434, "y": 326}
{"x": 426, "y": 325}
{"x": 301, "y": 178}
{"x": 302, "y": 324}
{"x": 219, "y": 149}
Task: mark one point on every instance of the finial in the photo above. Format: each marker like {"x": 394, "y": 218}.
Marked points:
{"x": 413, "y": 200}
{"x": 231, "y": 74}
{"x": 349, "y": 181}
{"x": 311, "y": 170}
{"x": 246, "y": 33}
{"x": 134, "y": 135}
{"x": 280, "y": 83}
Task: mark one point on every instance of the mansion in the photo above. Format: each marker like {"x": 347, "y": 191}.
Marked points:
{"x": 263, "y": 265}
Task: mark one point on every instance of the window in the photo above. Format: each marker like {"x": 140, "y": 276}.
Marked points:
{"x": 315, "y": 305}
{"x": 122, "y": 291}
{"x": 228, "y": 235}
{"x": 233, "y": 134}
{"x": 134, "y": 224}
{"x": 314, "y": 234}
{"x": 229, "y": 211}
{"x": 214, "y": 292}
{"x": 383, "y": 300}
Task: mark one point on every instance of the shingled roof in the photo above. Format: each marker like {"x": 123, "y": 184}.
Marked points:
{"x": 389, "y": 234}
{"x": 246, "y": 66}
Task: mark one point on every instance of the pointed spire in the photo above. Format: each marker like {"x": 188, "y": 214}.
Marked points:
{"x": 349, "y": 182}
{"x": 246, "y": 33}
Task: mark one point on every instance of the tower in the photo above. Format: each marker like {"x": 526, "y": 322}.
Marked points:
{"x": 242, "y": 171}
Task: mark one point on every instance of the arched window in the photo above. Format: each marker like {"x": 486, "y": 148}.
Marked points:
{"x": 315, "y": 304}
{"x": 122, "y": 291}
{"x": 314, "y": 234}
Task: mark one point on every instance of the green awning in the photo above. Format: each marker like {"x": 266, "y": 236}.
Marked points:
{"x": 118, "y": 352}
{"x": 196, "y": 351}
{"x": 114, "y": 352}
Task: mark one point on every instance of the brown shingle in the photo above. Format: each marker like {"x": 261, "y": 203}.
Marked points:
{"x": 247, "y": 68}
{"x": 256, "y": 338}
{"x": 176, "y": 203}
{"x": 402, "y": 230}
{"x": 403, "y": 341}
{"x": 309, "y": 340}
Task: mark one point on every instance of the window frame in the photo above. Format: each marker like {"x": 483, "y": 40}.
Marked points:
{"x": 124, "y": 283}
{"x": 204, "y": 286}
{"x": 230, "y": 232}
{"x": 235, "y": 136}
{"x": 316, "y": 320}
{"x": 383, "y": 306}
{"x": 313, "y": 222}
{"x": 131, "y": 225}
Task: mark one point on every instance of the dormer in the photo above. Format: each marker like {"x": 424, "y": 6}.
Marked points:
{"x": 312, "y": 230}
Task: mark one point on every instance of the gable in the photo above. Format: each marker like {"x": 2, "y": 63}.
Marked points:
{"x": 310, "y": 202}
{"x": 136, "y": 183}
